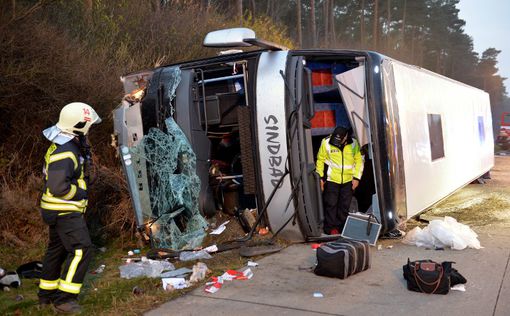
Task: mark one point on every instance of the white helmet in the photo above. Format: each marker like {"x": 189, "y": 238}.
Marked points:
{"x": 77, "y": 117}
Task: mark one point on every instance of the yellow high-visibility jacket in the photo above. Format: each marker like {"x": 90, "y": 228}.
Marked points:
{"x": 65, "y": 189}
{"x": 339, "y": 166}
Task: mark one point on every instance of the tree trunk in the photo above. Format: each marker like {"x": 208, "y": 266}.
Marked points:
{"x": 325, "y": 7}
{"x": 413, "y": 41}
{"x": 332, "y": 32}
{"x": 375, "y": 29}
{"x": 269, "y": 8}
{"x": 253, "y": 8}
{"x": 239, "y": 11}
{"x": 362, "y": 23}
{"x": 313, "y": 25}
{"x": 204, "y": 5}
{"x": 403, "y": 30}
{"x": 298, "y": 24}
{"x": 88, "y": 10}
{"x": 388, "y": 24}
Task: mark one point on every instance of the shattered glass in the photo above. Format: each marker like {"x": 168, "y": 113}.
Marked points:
{"x": 174, "y": 218}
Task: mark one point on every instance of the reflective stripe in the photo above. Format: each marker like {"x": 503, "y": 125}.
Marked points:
{"x": 335, "y": 165}
{"x": 61, "y": 207}
{"x": 48, "y": 284}
{"x": 82, "y": 184}
{"x": 71, "y": 193}
{"x": 360, "y": 172}
{"x": 73, "y": 288}
{"x": 62, "y": 214}
{"x": 78, "y": 253}
{"x": 62, "y": 156}
{"x": 52, "y": 199}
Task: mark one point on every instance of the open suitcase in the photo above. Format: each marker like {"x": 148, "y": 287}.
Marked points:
{"x": 342, "y": 258}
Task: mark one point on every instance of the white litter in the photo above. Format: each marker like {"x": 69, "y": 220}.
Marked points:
{"x": 211, "y": 249}
{"x": 459, "y": 287}
{"x": 199, "y": 272}
{"x": 220, "y": 229}
{"x": 175, "y": 283}
{"x": 252, "y": 264}
{"x": 318, "y": 295}
{"x": 443, "y": 233}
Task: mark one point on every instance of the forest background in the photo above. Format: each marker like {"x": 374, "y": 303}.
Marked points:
{"x": 60, "y": 51}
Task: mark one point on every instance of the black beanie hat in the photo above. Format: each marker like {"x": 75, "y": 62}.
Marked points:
{"x": 340, "y": 131}
{"x": 337, "y": 136}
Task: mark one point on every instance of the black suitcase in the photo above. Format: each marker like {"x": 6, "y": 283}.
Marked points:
{"x": 342, "y": 258}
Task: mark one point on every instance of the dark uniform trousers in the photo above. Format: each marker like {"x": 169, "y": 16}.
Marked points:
{"x": 337, "y": 200}
{"x": 69, "y": 245}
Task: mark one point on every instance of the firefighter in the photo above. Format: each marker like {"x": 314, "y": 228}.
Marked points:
{"x": 63, "y": 204}
{"x": 339, "y": 165}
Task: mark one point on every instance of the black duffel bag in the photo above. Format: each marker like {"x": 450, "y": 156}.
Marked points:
{"x": 427, "y": 276}
{"x": 342, "y": 258}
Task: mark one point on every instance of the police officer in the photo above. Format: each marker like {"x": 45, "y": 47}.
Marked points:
{"x": 340, "y": 165}
{"x": 63, "y": 203}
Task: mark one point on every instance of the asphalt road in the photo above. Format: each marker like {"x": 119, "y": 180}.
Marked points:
{"x": 282, "y": 285}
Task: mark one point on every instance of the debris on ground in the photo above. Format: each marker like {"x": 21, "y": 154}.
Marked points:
{"x": 194, "y": 255}
{"x": 459, "y": 287}
{"x": 99, "y": 269}
{"x": 263, "y": 231}
{"x": 318, "y": 295}
{"x": 146, "y": 267}
{"x": 181, "y": 272}
{"x": 10, "y": 279}
{"x": 211, "y": 249}
{"x": 443, "y": 233}
{"x": 220, "y": 229}
{"x": 217, "y": 282}
{"x": 137, "y": 290}
{"x": 171, "y": 284}
{"x": 200, "y": 271}
{"x": 259, "y": 250}
{"x": 30, "y": 270}
{"x": 252, "y": 264}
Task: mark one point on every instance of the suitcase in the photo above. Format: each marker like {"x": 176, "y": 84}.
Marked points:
{"x": 342, "y": 258}
{"x": 362, "y": 227}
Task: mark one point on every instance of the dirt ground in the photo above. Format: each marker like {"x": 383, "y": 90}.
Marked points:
{"x": 481, "y": 204}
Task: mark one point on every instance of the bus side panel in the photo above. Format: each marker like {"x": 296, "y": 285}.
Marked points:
{"x": 446, "y": 135}
{"x": 272, "y": 142}
{"x": 393, "y": 179}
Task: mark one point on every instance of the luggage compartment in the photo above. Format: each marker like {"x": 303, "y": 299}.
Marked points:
{"x": 325, "y": 93}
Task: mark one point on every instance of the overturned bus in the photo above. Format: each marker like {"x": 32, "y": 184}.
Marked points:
{"x": 254, "y": 121}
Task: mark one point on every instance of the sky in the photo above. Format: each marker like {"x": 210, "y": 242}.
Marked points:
{"x": 488, "y": 24}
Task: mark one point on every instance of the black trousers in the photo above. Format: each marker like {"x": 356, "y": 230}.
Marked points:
{"x": 336, "y": 199}
{"x": 67, "y": 257}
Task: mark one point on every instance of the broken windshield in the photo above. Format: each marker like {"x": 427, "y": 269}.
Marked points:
{"x": 174, "y": 218}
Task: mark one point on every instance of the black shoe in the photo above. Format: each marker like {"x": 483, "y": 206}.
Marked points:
{"x": 394, "y": 234}
{"x": 71, "y": 307}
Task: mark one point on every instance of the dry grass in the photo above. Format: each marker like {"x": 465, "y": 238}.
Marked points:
{"x": 481, "y": 204}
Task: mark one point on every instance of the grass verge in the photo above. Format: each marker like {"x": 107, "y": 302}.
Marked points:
{"x": 106, "y": 293}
